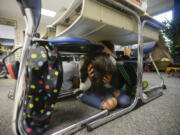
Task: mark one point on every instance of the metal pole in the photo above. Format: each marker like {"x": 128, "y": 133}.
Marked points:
{"x": 157, "y": 70}
{"x": 102, "y": 121}
{"x": 78, "y": 126}
{"x": 155, "y": 88}
{"x": 19, "y": 87}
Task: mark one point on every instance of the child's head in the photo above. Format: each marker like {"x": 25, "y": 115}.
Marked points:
{"x": 108, "y": 47}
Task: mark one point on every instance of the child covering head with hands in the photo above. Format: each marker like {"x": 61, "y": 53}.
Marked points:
{"x": 112, "y": 98}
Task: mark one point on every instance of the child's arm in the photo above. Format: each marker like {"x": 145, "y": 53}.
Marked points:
{"x": 116, "y": 93}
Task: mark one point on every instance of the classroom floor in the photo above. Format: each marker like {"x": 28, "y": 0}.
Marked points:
{"x": 159, "y": 117}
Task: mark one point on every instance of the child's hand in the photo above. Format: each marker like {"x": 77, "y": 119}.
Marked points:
{"x": 109, "y": 104}
{"x": 90, "y": 71}
{"x": 107, "y": 79}
{"x": 116, "y": 93}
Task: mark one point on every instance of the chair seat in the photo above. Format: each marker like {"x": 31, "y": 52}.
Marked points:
{"x": 74, "y": 44}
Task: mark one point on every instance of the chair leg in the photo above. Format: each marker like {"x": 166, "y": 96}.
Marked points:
{"x": 78, "y": 126}
{"x": 95, "y": 124}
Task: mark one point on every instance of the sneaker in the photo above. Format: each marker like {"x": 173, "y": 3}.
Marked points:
{"x": 145, "y": 84}
{"x": 145, "y": 96}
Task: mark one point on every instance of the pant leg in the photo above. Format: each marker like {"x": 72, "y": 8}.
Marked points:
{"x": 123, "y": 100}
{"x": 92, "y": 99}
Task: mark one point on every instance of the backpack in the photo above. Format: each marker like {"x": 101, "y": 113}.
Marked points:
{"x": 128, "y": 76}
{"x": 43, "y": 80}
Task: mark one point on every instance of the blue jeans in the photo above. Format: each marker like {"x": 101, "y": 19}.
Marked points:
{"x": 96, "y": 101}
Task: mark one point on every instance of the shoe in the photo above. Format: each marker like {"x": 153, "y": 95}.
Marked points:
{"x": 145, "y": 96}
{"x": 145, "y": 84}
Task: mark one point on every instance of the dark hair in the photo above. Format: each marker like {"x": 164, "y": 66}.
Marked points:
{"x": 102, "y": 66}
{"x": 108, "y": 44}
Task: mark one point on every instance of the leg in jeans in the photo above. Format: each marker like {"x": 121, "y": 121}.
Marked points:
{"x": 94, "y": 100}
{"x": 123, "y": 99}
